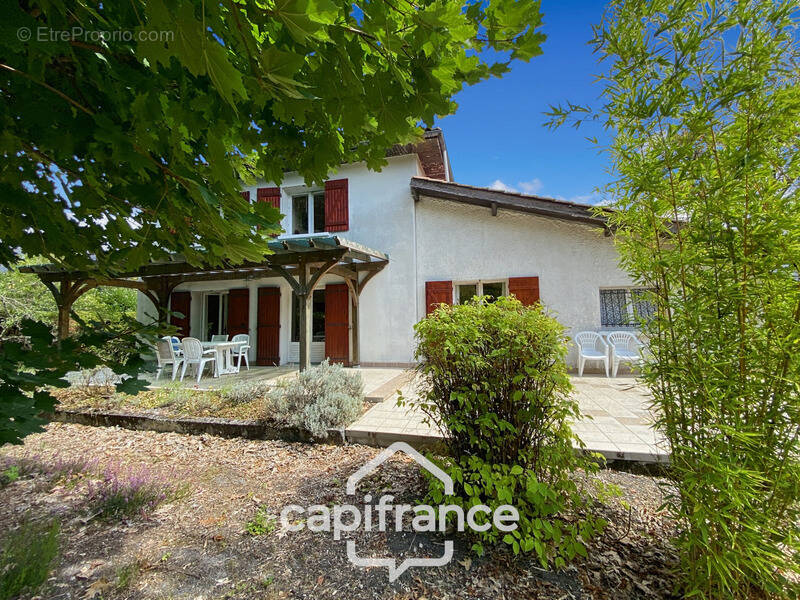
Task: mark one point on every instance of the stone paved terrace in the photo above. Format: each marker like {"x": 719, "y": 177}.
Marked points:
{"x": 619, "y": 427}
{"x": 378, "y": 382}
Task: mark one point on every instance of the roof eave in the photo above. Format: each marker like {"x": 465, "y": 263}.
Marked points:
{"x": 495, "y": 199}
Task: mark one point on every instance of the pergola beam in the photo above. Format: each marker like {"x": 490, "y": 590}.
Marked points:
{"x": 302, "y": 261}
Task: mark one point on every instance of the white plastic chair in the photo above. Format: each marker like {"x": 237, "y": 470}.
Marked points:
{"x": 591, "y": 346}
{"x": 244, "y": 349}
{"x": 165, "y": 354}
{"x": 193, "y": 354}
{"x": 220, "y": 338}
{"x": 625, "y": 347}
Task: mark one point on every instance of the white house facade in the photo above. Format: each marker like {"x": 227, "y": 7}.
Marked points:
{"x": 405, "y": 239}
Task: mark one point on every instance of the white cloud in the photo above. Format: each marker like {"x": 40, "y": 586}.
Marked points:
{"x": 526, "y": 187}
{"x": 531, "y": 187}
{"x": 535, "y": 186}
{"x": 502, "y": 186}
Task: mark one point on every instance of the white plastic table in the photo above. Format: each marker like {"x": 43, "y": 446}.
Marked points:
{"x": 224, "y": 354}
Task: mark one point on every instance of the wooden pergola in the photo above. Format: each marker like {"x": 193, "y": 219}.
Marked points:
{"x": 301, "y": 261}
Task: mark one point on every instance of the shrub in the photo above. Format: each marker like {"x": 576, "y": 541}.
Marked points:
{"x": 320, "y": 398}
{"x": 121, "y": 493}
{"x": 243, "y": 392}
{"x": 55, "y": 468}
{"x": 704, "y": 99}
{"x": 27, "y": 555}
{"x": 493, "y": 378}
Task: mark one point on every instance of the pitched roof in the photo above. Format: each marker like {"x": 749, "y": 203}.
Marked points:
{"x": 494, "y": 199}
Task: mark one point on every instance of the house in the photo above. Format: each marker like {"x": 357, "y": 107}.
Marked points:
{"x": 366, "y": 255}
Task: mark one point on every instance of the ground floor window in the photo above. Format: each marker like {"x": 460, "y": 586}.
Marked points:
{"x": 624, "y": 307}
{"x": 317, "y": 317}
{"x": 466, "y": 290}
{"x": 216, "y": 315}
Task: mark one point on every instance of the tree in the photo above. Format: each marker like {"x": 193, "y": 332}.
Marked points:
{"x": 105, "y": 332}
{"x": 703, "y": 99}
{"x": 129, "y": 127}
{"x": 25, "y": 297}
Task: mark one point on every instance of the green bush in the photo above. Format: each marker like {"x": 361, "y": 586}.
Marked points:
{"x": 493, "y": 378}
{"x": 320, "y": 398}
{"x": 28, "y": 552}
{"x": 704, "y": 99}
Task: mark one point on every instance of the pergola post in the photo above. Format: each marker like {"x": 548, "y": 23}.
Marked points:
{"x": 304, "y": 287}
{"x": 355, "y": 286}
{"x": 65, "y": 295}
{"x": 64, "y": 304}
{"x": 306, "y": 296}
{"x": 354, "y": 350}
{"x": 356, "y": 355}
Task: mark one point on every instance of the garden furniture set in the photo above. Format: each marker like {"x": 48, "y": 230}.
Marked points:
{"x": 181, "y": 354}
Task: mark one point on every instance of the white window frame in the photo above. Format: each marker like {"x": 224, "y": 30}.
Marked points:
{"x": 309, "y": 194}
{"x": 478, "y": 283}
{"x": 628, "y": 306}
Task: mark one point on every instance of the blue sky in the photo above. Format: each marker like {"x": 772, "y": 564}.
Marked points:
{"x": 497, "y": 135}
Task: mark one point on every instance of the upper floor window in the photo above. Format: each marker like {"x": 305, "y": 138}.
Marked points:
{"x": 465, "y": 291}
{"x": 624, "y": 307}
{"x": 308, "y": 213}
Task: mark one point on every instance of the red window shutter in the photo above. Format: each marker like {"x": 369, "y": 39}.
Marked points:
{"x": 238, "y": 311}
{"x": 526, "y": 289}
{"x": 337, "y": 323}
{"x": 180, "y": 302}
{"x": 437, "y": 292}
{"x": 337, "y": 213}
{"x": 246, "y": 196}
{"x": 272, "y": 195}
{"x": 268, "y": 328}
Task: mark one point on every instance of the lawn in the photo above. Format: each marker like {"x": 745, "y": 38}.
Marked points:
{"x": 213, "y": 532}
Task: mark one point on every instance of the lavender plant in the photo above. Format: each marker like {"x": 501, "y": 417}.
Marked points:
{"x": 122, "y": 492}
{"x": 320, "y": 398}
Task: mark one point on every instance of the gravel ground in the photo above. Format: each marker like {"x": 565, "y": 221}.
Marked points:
{"x": 198, "y": 546}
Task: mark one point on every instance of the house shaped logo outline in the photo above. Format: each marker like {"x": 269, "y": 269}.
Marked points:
{"x": 396, "y": 570}
{"x": 381, "y": 458}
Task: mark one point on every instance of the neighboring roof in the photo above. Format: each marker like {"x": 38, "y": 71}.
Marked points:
{"x": 285, "y": 252}
{"x": 495, "y": 199}
{"x": 432, "y": 153}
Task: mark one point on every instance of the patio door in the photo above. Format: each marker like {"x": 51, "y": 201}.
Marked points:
{"x": 238, "y": 311}
{"x": 337, "y": 323}
{"x": 268, "y": 328}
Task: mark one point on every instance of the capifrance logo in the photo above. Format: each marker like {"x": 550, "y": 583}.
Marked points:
{"x": 385, "y": 515}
